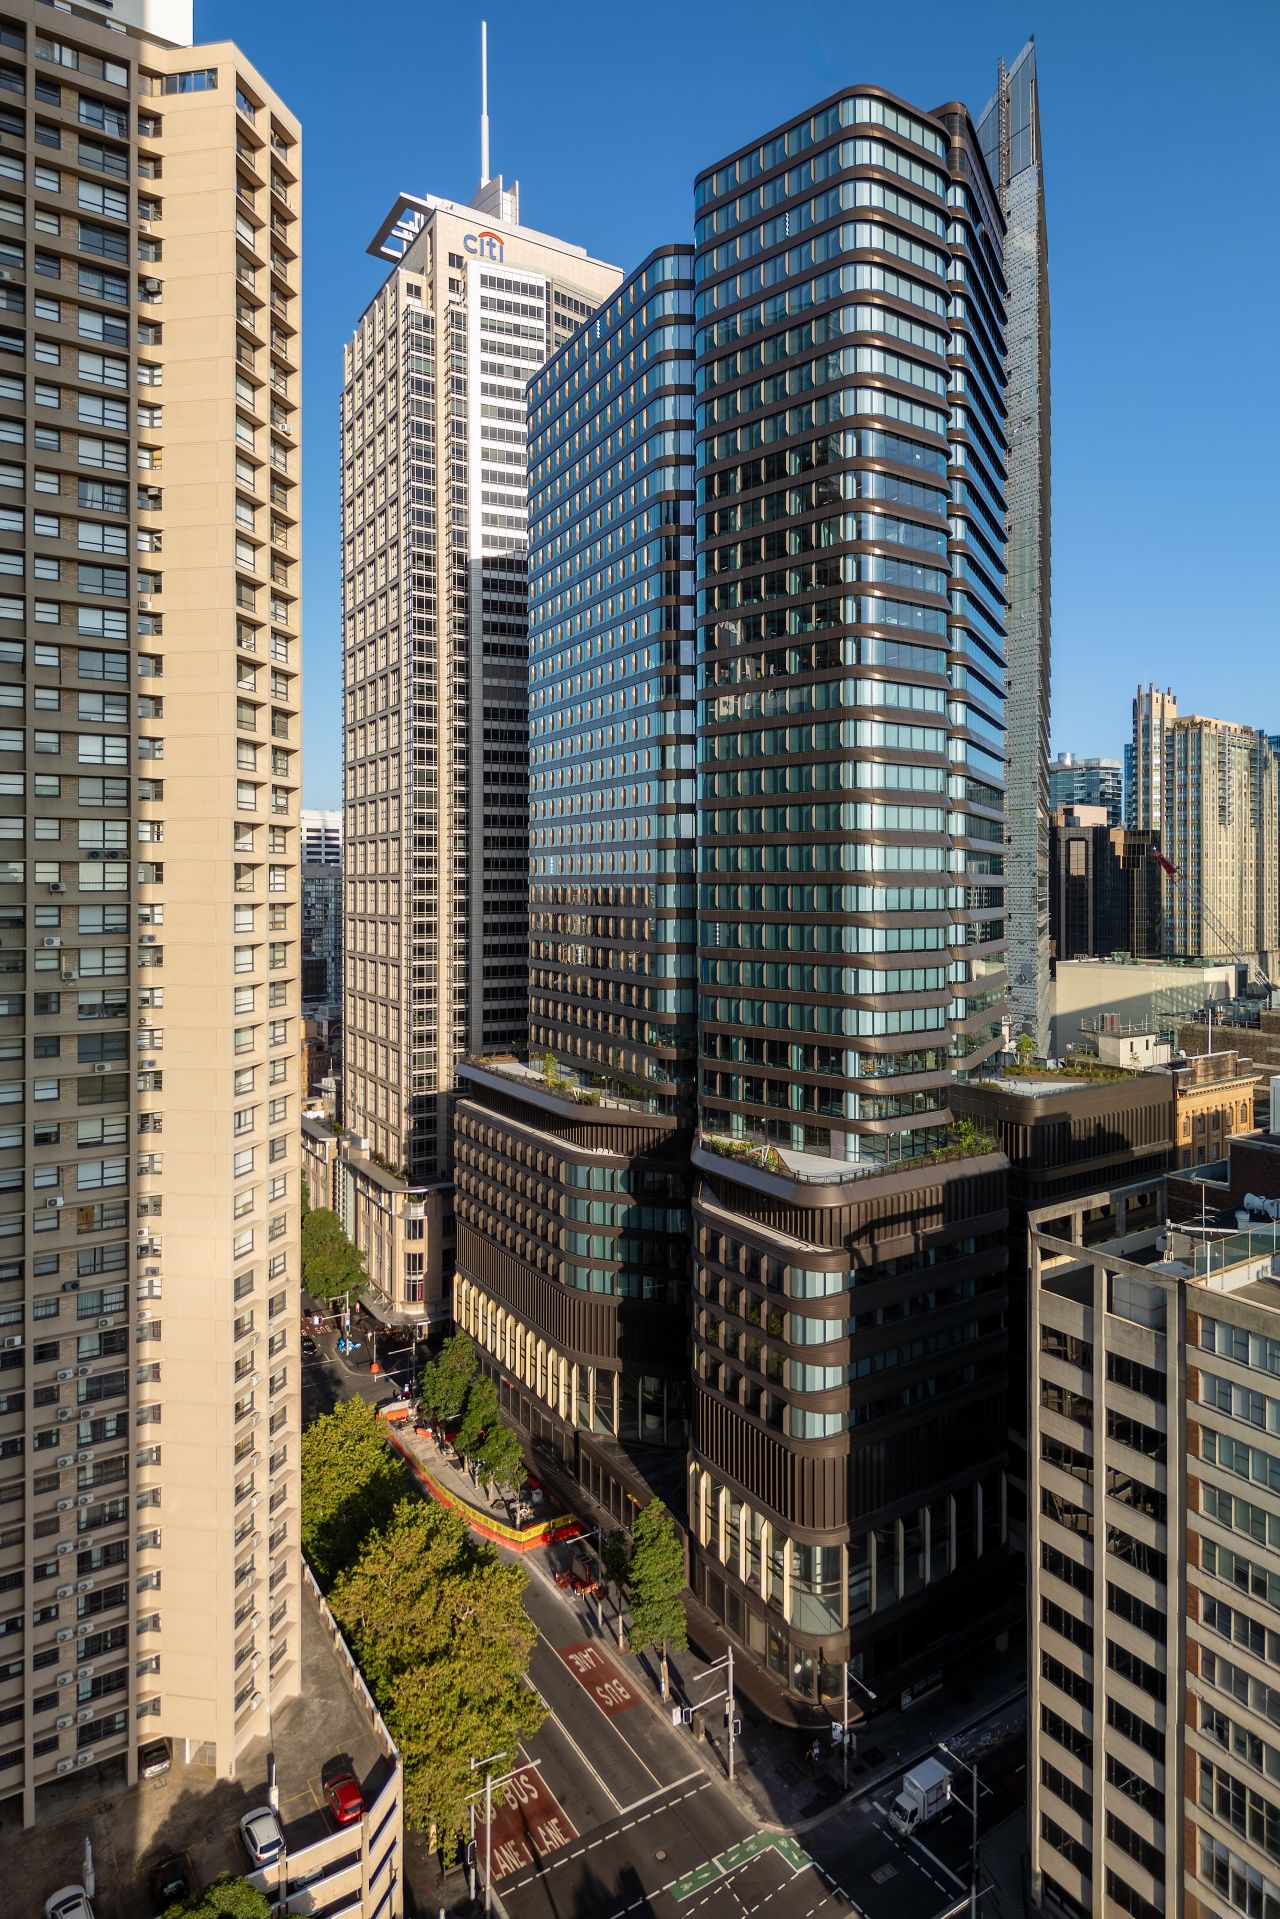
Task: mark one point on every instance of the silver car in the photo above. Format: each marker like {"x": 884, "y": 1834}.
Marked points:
{"x": 71, "y": 1903}
{"x": 263, "y": 1839}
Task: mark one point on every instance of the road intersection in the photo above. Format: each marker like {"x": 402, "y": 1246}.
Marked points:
{"x": 616, "y": 1813}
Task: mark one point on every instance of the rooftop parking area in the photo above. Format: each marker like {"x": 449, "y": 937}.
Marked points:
{"x": 187, "y": 1810}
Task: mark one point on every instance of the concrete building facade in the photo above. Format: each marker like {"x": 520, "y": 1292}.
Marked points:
{"x": 435, "y": 669}
{"x": 1221, "y": 829}
{"x": 1153, "y": 713}
{"x": 1154, "y": 1549}
{"x": 149, "y": 641}
{"x": 1009, "y": 132}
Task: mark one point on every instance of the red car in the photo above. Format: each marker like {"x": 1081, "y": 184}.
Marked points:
{"x": 344, "y": 1798}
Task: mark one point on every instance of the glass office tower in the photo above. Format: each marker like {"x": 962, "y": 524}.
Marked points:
{"x": 846, "y": 1485}
{"x": 572, "y": 1168}
{"x": 1009, "y": 134}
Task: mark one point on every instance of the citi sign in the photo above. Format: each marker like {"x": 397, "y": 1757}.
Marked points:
{"x": 485, "y": 246}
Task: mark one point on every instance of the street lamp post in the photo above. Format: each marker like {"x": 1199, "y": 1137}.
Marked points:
{"x": 526, "y": 1765}
{"x": 844, "y": 1743}
{"x": 729, "y": 1703}
{"x": 972, "y": 1767}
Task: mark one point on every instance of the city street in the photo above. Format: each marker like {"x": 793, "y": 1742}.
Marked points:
{"x": 614, "y": 1811}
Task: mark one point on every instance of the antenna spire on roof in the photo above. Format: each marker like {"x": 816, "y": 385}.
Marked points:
{"x": 484, "y": 103}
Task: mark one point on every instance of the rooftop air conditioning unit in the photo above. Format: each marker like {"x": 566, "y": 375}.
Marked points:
{"x": 64, "y": 1460}
{"x": 14, "y": 1340}
{"x": 147, "y": 1064}
{"x": 85, "y": 1672}
{"x": 51, "y": 939}
{"x": 69, "y": 972}
{"x": 65, "y": 1372}
{"x": 84, "y": 1499}
{"x": 83, "y": 1458}
{"x": 65, "y": 1505}
{"x": 64, "y": 1592}
{"x": 56, "y": 886}
{"x": 83, "y": 1586}
{"x": 66, "y": 1632}
{"x": 65, "y": 1412}
{"x": 82, "y": 1372}
{"x": 148, "y": 939}
{"x": 152, "y": 1272}
{"x": 62, "y": 1722}
{"x": 101, "y": 1066}
{"x": 86, "y": 1758}
{"x": 65, "y": 1546}
{"x": 66, "y": 1678}
{"x": 54, "y": 1204}
{"x": 144, "y": 1232}
{"x": 108, "y": 1319}
{"x": 65, "y": 1765}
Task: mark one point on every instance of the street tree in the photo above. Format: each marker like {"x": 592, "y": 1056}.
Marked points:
{"x": 226, "y": 1898}
{"x": 446, "y": 1379}
{"x": 479, "y": 1417}
{"x": 331, "y": 1266}
{"x": 437, "y": 1624}
{"x": 351, "y": 1483}
{"x": 656, "y": 1585}
{"x": 615, "y": 1565}
{"x": 500, "y": 1460}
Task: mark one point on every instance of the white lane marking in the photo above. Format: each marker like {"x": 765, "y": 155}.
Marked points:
{"x": 663, "y": 1785}
{"x": 575, "y": 1747}
{"x": 939, "y": 1863}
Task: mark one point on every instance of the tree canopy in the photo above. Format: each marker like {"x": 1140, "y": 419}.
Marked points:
{"x": 226, "y": 1898}
{"x": 435, "y": 1620}
{"x": 615, "y": 1566}
{"x": 480, "y": 1415}
{"x": 499, "y": 1458}
{"x": 446, "y": 1379}
{"x": 331, "y": 1266}
{"x": 351, "y": 1482}
{"x": 655, "y": 1583}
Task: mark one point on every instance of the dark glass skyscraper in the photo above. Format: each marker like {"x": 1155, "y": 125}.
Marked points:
{"x": 573, "y": 1169}
{"x": 846, "y": 1495}
{"x": 1009, "y": 132}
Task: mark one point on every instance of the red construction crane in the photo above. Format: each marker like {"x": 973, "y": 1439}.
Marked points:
{"x": 1196, "y": 897}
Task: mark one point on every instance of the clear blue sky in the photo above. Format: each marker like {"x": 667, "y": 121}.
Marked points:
{"x": 1158, "y": 127}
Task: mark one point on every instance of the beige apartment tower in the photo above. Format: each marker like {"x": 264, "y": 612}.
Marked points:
{"x": 1154, "y": 713}
{"x": 1221, "y": 829}
{"x": 436, "y": 697}
{"x": 149, "y": 897}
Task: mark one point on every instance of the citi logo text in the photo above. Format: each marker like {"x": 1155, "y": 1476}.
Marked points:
{"x": 485, "y": 246}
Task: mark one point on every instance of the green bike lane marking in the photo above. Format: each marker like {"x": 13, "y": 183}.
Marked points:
{"x": 726, "y": 1862}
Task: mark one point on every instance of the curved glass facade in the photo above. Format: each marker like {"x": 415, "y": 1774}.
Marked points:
{"x": 611, "y": 693}
{"x": 858, "y": 382}
{"x": 850, "y": 1344}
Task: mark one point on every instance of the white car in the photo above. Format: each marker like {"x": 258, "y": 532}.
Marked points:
{"x": 71, "y": 1903}
{"x": 263, "y": 1839}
